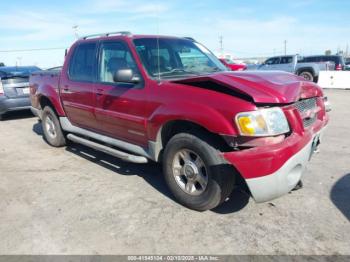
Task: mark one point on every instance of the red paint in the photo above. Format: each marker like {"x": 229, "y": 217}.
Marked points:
{"x": 233, "y": 66}
{"x": 137, "y": 114}
{"x": 265, "y": 160}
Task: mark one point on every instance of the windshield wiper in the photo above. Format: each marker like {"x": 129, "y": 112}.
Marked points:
{"x": 216, "y": 69}
{"x": 177, "y": 70}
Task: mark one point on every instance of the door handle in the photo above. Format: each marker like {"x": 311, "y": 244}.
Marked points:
{"x": 99, "y": 91}
{"x": 66, "y": 88}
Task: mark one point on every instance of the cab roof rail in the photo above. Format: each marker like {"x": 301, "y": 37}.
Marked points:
{"x": 190, "y": 38}
{"x": 122, "y": 33}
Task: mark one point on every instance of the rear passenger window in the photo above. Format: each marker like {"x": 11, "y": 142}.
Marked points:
{"x": 330, "y": 59}
{"x": 314, "y": 59}
{"x": 272, "y": 61}
{"x": 286, "y": 60}
{"x": 82, "y": 65}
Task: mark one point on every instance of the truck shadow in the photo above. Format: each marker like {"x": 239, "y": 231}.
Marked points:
{"x": 340, "y": 195}
{"x": 37, "y": 129}
{"x": 238, "y": 199}
{"x": 150, "y": 172}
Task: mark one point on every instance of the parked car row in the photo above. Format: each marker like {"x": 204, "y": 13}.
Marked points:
{"x": 306, "y": 67}
{"x": 170, "y": 100}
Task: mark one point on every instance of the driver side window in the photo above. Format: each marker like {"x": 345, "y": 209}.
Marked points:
{"x": 114, "y": 56}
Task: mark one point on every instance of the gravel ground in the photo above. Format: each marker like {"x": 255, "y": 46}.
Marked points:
{"x": 75, "y": 200}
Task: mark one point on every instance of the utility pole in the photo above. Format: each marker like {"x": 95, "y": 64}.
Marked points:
{"x": 347, "y": 50}
{"x": 285, "y": 47}
{"x": 75, "y": 28}
{"x": 18, "y": 61}
{"x": 221, "y": 45}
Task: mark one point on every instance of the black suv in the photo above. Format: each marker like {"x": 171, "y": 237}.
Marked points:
{"x": 338, "y": 60}
{"x": 347, "y": 63}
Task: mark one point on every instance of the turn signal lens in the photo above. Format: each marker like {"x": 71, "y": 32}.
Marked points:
{"x": 246, "y": 125}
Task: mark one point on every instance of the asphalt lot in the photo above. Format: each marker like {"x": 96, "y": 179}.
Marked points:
{"x": 75, "y": 200}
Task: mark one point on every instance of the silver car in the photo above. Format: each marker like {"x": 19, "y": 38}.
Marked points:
{"x": 14, "y": 88}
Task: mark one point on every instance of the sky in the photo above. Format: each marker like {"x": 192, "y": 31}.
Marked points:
{"x": 248, "y": 28}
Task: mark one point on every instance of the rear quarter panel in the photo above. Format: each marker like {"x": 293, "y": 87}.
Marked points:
{"x": 45, "y": 84}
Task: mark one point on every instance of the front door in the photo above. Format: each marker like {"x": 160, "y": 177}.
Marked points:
{"x": 287, "y": 64}
{"x": 120, "y": 107}
{"x": 270, "y": 64}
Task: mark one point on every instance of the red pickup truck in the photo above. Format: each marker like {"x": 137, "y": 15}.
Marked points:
{"x": 170, "y": 100}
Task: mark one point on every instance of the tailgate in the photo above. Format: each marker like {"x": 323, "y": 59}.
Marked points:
{"x": 16, "y": 87}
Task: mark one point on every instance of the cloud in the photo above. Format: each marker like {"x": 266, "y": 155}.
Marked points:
{"x": 137, "y": 7}
{"x": 246, "y": 32}
{"x": 27, "y": 26}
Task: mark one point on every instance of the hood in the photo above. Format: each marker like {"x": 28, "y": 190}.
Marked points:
{"x": 272, "y": 87}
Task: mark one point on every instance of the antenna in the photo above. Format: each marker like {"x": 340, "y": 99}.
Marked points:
{"x": 75, "y": 29}
{"x": 158, "y": 49}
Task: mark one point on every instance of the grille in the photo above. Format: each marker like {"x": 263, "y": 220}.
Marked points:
{"x": 304, "y": 106}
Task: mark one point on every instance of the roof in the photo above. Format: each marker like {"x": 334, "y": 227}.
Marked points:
{"x": 127, "y": 34}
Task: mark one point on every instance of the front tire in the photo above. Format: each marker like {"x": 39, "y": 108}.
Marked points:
{"x": 195, "y": 172}
{"x": 52, "y": 129}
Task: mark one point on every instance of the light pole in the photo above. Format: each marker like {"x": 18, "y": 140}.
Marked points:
{"x": 75, "y": 28}
{"x": 285, "y": 47}
{"x": 221, "y": 45}
{"x": 18, "y": 61}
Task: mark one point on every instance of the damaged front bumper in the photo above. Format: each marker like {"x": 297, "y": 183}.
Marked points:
{"x": 274, "y": 170}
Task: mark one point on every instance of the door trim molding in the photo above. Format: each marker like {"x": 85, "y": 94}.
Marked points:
{"x": 69, "y": 127}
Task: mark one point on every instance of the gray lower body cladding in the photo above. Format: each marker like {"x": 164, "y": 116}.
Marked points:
{"x": 134, "y": 149}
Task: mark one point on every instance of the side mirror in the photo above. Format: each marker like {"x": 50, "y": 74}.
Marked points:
{"x": 126, "y": 76}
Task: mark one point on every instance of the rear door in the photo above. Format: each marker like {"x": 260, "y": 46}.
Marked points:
{"x": 286, "y": 64}
{"x": 77, "y": 86}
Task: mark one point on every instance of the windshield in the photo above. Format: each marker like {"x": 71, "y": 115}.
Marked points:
{"x": 176, "y": 57}
{"x": 17, "y": 71}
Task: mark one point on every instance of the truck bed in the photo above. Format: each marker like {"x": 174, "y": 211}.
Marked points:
{"x": 44, "y": 81}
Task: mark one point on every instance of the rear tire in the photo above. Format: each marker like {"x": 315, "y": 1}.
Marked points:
{"x": 195, "y": 172}
{"x": 52, "y": 128}
{"x": 307, "y": 76}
